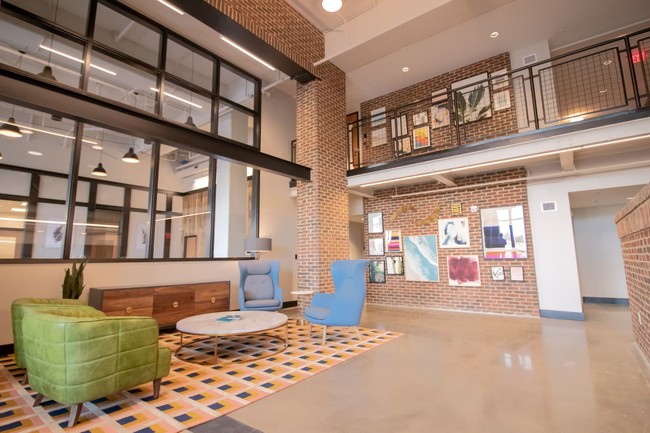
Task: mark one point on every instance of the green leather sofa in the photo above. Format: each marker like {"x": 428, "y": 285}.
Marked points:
{"x": 22, "y": 306}
{"x": 73, "y": 359}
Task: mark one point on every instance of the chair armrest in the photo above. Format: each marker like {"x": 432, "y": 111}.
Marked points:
{"x": 164, "y": 362}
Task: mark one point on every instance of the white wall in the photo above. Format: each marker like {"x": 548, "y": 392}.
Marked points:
{"x": 356, "y": 241}
{"x": 278, "y": 218}
{"x": 598, "y": 250}
{"x": 556, "y": 265}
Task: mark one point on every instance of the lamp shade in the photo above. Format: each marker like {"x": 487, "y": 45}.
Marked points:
{"x": 257, "y": 244}
{"x": 10, "y": 129}
{"x": 130, "y": 157}
{"x": 332, "y": 5}
{"x": 99, "y": 171}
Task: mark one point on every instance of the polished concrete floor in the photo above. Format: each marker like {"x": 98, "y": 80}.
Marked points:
{"x": 456, "y": 372}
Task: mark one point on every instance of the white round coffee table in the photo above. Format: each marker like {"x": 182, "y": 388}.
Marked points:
{"x": 301, "y": 310}
{"x": 223, "y": 324}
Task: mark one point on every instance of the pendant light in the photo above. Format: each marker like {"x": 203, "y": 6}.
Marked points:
{"x": 9, "y": 128}
{"x": 100, "y": 171}
{"x": 190, "y": 122}
{"x": 332, "y": 5}
{"x": 130, "y": 156}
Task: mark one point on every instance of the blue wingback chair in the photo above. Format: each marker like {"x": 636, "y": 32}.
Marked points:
{"x": 344, "y": 306}
{"x": 258, "y": 285}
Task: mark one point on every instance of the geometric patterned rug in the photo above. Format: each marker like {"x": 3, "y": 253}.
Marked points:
{"x": 194, "y": 392}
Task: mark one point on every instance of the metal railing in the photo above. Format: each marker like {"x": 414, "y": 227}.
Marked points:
{"x": 601, "y": 79}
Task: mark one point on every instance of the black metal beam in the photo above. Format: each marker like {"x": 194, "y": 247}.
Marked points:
{"x": 41, "y": 94}
{"x": 226, "y": 26}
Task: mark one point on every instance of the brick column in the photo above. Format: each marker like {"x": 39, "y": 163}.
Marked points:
{"x": 633, "y": 224}
{"x": 323, "y": 215}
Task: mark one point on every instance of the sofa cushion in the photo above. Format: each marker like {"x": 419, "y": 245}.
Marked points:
{"x": 258, "y": 287}
{"x": 262, "y": 303}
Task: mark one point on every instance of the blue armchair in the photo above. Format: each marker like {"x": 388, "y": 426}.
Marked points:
{"x": 344, "y": 306}
{"x": 258, "y": 285}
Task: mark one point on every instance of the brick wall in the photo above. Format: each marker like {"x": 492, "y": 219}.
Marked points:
{"x": 502, "y": 297}
{"x": 633, "y": 224}
{"x": 322, "y": 203}
{"x": 502, "y": 122}
{"x": 278, "y": 24}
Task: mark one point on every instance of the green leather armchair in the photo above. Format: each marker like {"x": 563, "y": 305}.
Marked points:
{"x": 22, "y": 306}
{"x": 74, "y": 359}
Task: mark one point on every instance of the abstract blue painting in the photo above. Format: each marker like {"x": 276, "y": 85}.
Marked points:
{"x": 421, "y": 258}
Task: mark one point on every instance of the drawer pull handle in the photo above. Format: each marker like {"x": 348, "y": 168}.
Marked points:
{"x": 213, "y": 300}
{"x": 175, "y": 304}
{"x": 129, "y": 310}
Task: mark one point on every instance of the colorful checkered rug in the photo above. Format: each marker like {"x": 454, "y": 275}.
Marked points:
{"x": 194, "y": 392}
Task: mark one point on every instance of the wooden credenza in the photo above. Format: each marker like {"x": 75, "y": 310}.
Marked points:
{"x": 166, "y": 304}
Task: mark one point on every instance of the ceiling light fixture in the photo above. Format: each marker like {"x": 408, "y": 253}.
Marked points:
{"x": 172, "y": 7}
{"x": 248, "y": 53}
{"x": 9, "y": 128}
{"x": 35, "y": 153}
{"x": 405, "y": 69}
{"x": 130, "y": 157}
{"x": 332, "y": 5}
{"x": 494, "y": 35}
{"x": 18, "y": 209}
{"x": 99, "y": 171}
{"x": 190, "y": 122}
{"x": 30, "y": 130}
{"x": 178, "y": 98}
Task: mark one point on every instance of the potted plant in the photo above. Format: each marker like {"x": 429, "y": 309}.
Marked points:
{"x": 73, "y": 282}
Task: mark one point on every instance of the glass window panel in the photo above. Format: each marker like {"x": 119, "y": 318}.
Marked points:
{"x": 126, "y": 35}
{"x": 83, "y": 191}
{"x": 110, "y": 195}
{"x": 45, "y": 144}
{"x": 182, "y": 105}
{"x": 236, "y": 124}
{"x": 71, "y": 14}
{"x": 138, "y": 235}
{"x": 189, "y": 215}
{"x": 49, "y": 231}
{"x": 189, "y": 65}
{"x": 14, "y": 182}
{"x": 237, "y": 87}
{"x": 96, "y": 234}
{"x": 53, "y": 187}
{"x": 231, "y": 209}
{"x": 120, "y": 82}
{"x": 12, "y": 229}
{"x": 32, "y": 49}
{"x": 139, "y": 199}
{"x": 161, "y": 202}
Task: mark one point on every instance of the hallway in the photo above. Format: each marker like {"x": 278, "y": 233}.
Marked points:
{"x": 457, "y": 372}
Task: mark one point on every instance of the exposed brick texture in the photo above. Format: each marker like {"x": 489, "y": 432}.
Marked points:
{"x": 501, "y": 297}
{"x": 323, "y": 203}
{"x": 633, "y": 224}
{"x": 279, "y": 25}
{"x": 502, "y": 122}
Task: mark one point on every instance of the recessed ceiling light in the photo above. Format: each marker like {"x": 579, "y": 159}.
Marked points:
{"x": 405, "y": 69}
{"x": 332, "y": 5}
{"x": 494, "y": 35}
{"x": 35, "y": 153}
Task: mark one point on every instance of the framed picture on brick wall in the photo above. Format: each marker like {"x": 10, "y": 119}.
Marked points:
{"x": 497, "y": 273}
{"x": 472, "y": 99}
{"x": 376, "y": 246}
{"x": 421, "y": 137}
{"x": 393, "y": 240}
{"x": 375, "y": 222}
{"x": 394, "y": 265}
{"x": 377, "y": 272}
{"x": 504, "y": 233}
{"x": 516, "y": 273}
{"x": 420, "y": 118}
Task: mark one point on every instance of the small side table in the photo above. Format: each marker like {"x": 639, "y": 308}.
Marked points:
{"x": 301, "y": 310}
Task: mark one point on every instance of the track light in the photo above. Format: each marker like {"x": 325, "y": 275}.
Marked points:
{"x": 9, "y": 129}
{"x": 99, "y": 171}
{"x": 130, "y": 157}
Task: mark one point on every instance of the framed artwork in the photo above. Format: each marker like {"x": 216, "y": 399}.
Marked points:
{"x": 501, "y": 79}
{"x": 497, "y": 273}
{"x": 393, "y": 241}
{"x": 463, "y": 271}
{"x": 421, "y": 258}
{"x": 440, "y": 115}
{"x": 375, "y": 222}
{"x": 516, "y": 273}
{"x": 376, "y": 246}
{"x": 403, "y": 146}
{"x": 502, "y": 100}
{"x": 378, "y": 116}
{"x": 141, "y": 236}
{"x": 420, "y": 118}
{"x": 54, "y": 235}
{"x": 398, "y": 126}
{"x": 504, "y": 233}
{"x": 453, "y": 233}
{"x": 377, "y": 272}
{"x": 378, "y": 137}
{"x": 472, "y": 103}
{"x": 439, "y": 96}
{"x": 421, "y": 137}
{"x": 394, "y": 265}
